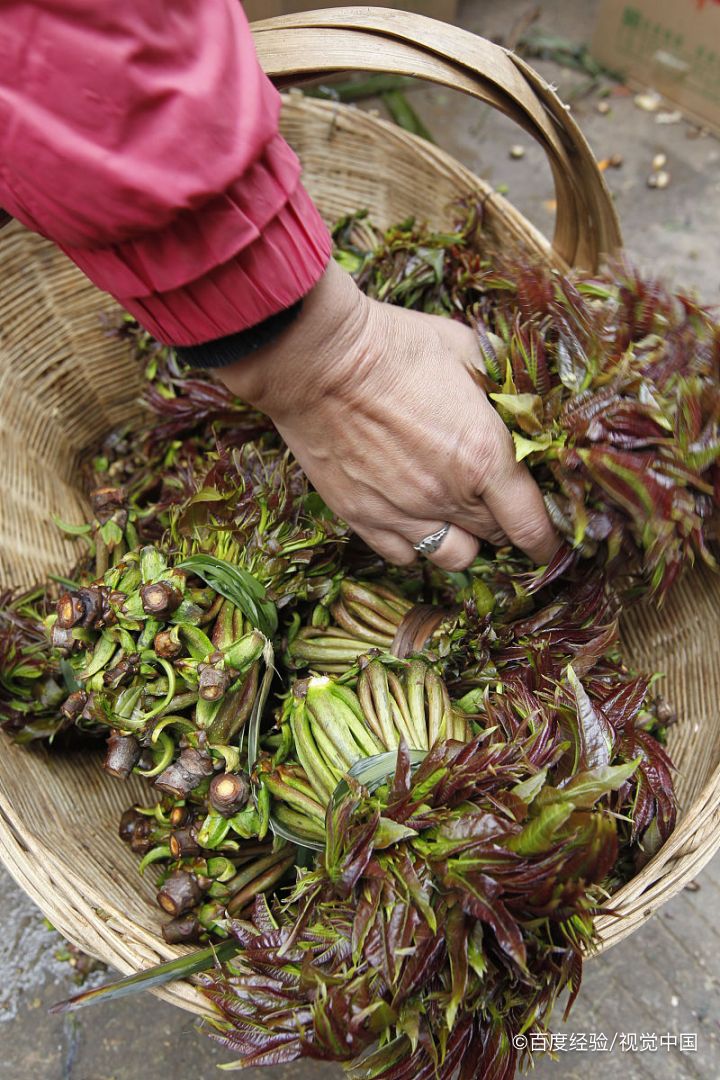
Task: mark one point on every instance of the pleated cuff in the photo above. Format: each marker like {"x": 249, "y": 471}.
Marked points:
{"x": 269, "y": 275}
{"x": 198, "y": 240}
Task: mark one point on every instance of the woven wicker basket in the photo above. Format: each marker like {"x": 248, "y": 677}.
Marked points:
{"x": 63, "y": 384}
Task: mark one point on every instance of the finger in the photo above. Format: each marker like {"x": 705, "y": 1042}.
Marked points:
{"x": 517, "y": 504}
{"x": 479, "y": 522}
{"x": 475, "y": 519}
{"x": 457, "y": 550}
{"x": 389, "y": 545}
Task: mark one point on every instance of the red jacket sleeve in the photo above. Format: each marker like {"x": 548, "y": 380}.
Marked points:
{"x": 142, "y": 138}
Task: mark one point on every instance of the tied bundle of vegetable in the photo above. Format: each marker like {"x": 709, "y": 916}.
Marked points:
{"x": 497, "y": 622}
{"x": 364, "y": 617}
{"x": 145, "y": 666}
{"x": 253, "y": 508}
{"x": 208, "y": 869}
{"x": 132, "y": 649}
{"x": 327, "y": 727}
{"x": 448, "y": 912}
{"x": 610, "y": 386}
{"x": 174, "y": 670}
{"x": 573, "y": 635}
{"x": 32, "y": 685}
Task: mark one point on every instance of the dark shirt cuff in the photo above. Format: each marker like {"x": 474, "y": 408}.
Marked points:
{"x": 226, "y": 350}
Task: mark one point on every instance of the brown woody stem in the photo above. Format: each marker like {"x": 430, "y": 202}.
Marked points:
{"x": 182, "y": 931}
{"x": 228, "y": 793}
{"x": 123, "y": 754}
{"x": 160, "y": 598}
{"x": 186, "y": 773}
{"x": 180, "y": 893}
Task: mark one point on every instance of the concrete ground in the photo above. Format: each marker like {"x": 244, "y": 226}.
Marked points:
{"x": 664, "y": 980}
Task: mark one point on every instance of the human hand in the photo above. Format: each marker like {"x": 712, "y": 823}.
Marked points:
{"x": 380, "y": 407}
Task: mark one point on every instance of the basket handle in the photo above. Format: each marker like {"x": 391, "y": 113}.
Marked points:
{"x": 307, "y": 45}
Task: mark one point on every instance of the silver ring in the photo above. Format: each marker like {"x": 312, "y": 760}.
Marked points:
{"x": 429, "y": 544}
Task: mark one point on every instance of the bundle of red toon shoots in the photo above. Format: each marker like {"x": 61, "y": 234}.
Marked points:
{"x": 397, "y": 799}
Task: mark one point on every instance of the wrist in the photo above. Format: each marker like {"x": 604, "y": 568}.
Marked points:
{"x": 310, "y": 358}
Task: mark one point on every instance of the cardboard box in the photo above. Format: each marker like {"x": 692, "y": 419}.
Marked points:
{"x": 672, "y": 46}
{"x": 446, "y": 10}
